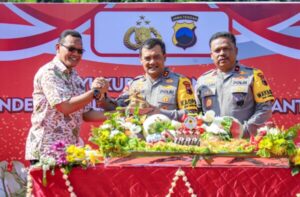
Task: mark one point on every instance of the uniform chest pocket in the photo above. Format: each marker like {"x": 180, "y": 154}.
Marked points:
{"x": 166, "y": 99}
{"x": 207, "y": 92}
{"x": 208, "y": 97}
{"x": 239, "y": 94}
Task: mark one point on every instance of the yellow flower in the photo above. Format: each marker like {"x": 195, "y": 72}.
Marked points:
{"x": 75, "y": 153}
{"x": 265, "y": 143}
{"x": 84, "y": 162}
{"x": 70, "y": 158}
{"x": 279, "y": 147}
{"x": 79, "y": 154}
{"x": 297, "y": 157}
{"x": 278, "y": 150}
{"x": 93, "y": 157}
{"x": 71, "y": 149}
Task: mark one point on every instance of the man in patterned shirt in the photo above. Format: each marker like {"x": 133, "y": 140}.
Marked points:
{"x": 60, "y": 100}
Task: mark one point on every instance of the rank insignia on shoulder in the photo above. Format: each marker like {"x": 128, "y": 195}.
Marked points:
{"x": 166, "y": 73}
{"x": 237, "y": 68}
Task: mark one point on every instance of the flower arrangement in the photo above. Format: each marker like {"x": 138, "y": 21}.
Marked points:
{"x": 273, "y": 141}
{"x": 114, "y": 134}
{"x": 66, "y": 157}
{"x": 278, "y": 142}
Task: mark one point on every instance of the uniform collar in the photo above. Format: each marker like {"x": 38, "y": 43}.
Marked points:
{"x": 165, "y": 74}
{"x": 228, "y": 74}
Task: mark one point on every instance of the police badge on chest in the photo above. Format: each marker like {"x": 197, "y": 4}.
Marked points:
{"x": 239, "y": 98}
{"x": 239, "y": 90}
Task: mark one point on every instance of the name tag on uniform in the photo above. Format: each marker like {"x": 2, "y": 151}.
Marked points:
{"x": 239, "y": 89}
{"x": 167, "y": 91}
{"x": 239, "y": 81}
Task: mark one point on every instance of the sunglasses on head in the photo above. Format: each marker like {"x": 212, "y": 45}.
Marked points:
{"x": 72, "y": 49}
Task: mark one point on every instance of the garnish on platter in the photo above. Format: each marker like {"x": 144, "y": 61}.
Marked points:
{"x": 221, "y": 128}
{"x": 124, "y": 134}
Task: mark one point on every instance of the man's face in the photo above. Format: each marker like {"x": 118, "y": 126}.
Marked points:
{"x": 70, "y": 51}
{"x": 223, "y": 53}
{"x": 153, "y": 61}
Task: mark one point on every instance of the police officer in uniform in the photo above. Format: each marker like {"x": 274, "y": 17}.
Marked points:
{"x": 163, "y": 91}
{"x": 233, "y": 89}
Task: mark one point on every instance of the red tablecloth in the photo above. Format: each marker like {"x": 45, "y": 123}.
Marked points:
{"x": 156, "y": 181}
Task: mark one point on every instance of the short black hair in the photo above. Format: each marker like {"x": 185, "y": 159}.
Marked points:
{"x": 223, "y": 34}
{"x": 68, "y": 32}
{"x": 152, "y": 42}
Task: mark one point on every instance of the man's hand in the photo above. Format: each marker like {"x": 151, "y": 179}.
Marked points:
{"x": 147, "y": 111}
{"x": 154, "y": 110}
{"x": 101, "y": 84}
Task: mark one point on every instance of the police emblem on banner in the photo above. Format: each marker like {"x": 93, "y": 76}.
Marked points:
{"x": 184, "y": 30}
{"x": 136, "y": 36}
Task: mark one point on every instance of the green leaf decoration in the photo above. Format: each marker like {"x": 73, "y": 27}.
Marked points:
{"x": 195, "y": 160}
{"x": 295, "y": 171}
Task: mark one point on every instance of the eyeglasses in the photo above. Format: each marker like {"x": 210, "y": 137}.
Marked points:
{"x": 72, "y": 49}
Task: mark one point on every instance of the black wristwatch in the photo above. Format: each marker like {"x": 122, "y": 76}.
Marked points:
{"x": 97, "y": 94}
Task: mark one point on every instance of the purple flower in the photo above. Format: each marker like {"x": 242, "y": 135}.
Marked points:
{"x": 57, "y": 150}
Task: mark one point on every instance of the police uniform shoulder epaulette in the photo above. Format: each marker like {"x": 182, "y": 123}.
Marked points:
{"x": 245, "y": 67}
{"x": 178, "y": 75}
{"x": 209, "y": 72}
{"x": 256, "y": 69}
{"x": 138, "y": 77}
